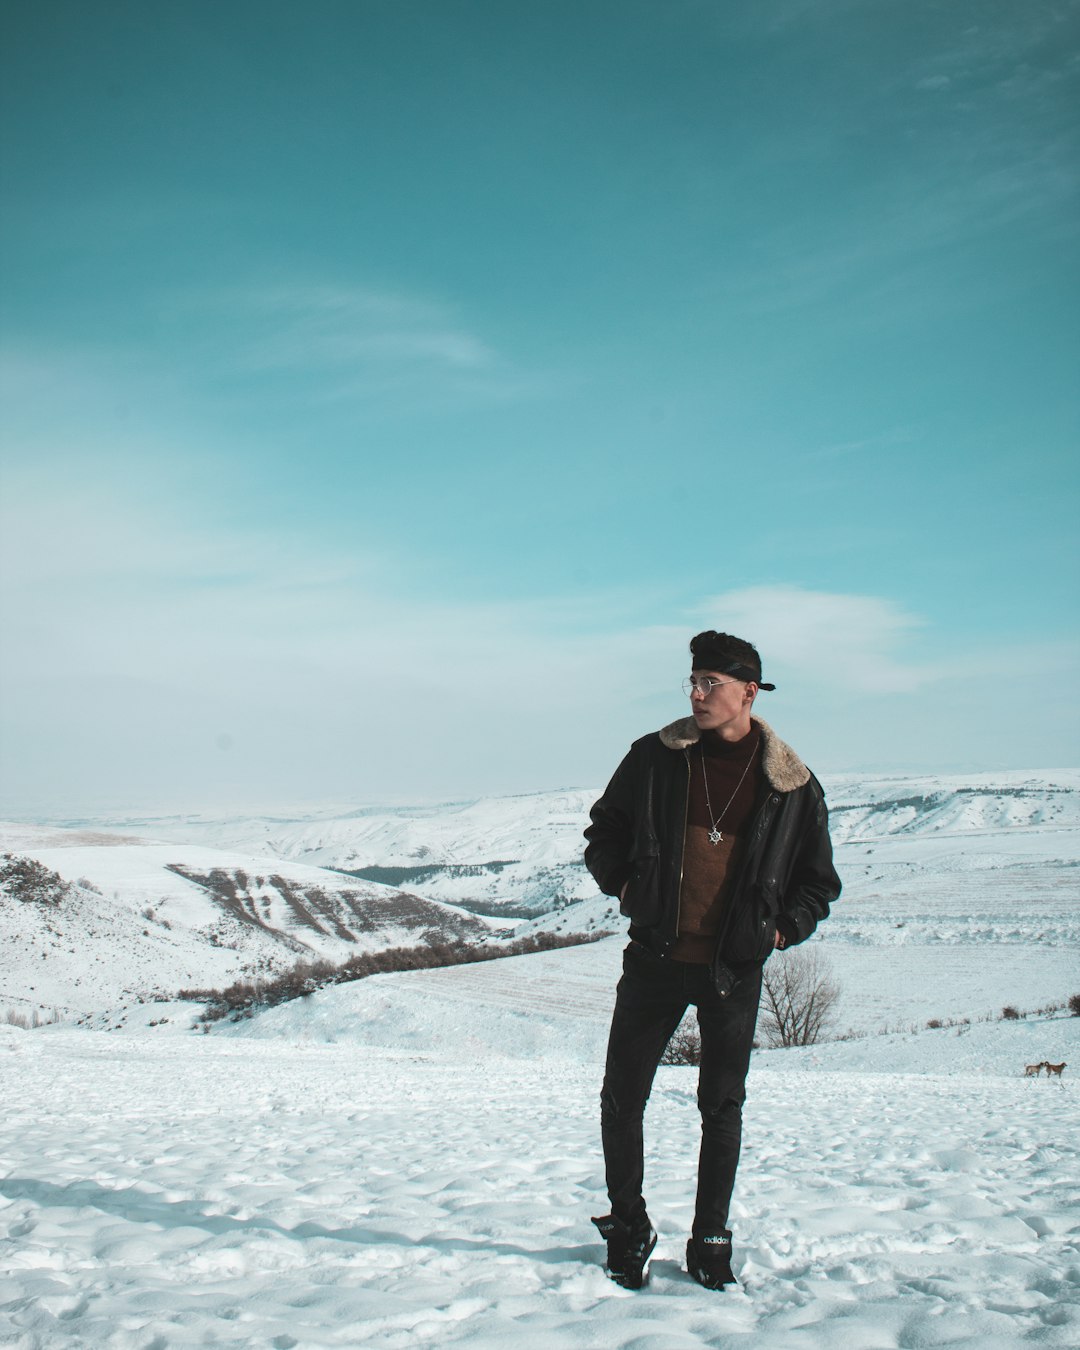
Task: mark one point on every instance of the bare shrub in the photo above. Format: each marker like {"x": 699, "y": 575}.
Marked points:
{"x": 1010, "y": 1014}
{"x": 684, "y": 1046}
{"x": 32, "y": 882}
{"x": 1074, "y": 1004}
{"x": 798, "y": 997}
{"x": 246, "y": 997}
{"x": 32, "y": 1020}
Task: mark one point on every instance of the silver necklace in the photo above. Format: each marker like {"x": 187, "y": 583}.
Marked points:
{"x": 715, "y": 837}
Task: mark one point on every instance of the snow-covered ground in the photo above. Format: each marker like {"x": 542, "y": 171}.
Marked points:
{"x": 560, "y": 1002}
{"x": 291, "y": 1191}
{"x": 412, "y": 1159}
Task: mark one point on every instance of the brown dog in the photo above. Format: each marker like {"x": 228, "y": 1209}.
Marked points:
{"x": 1033, "y": 1070}
{"x": 1054, "y": 1068}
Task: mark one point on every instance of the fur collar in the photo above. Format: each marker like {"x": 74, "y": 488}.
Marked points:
{"x": 783, "y": 768}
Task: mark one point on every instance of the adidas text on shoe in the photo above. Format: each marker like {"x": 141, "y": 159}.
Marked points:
{"x": 708, "y": 1259}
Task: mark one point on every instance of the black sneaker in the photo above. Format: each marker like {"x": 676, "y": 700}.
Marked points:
{"x": 627, "y": 1252}
{"x": 708, "y": 1259}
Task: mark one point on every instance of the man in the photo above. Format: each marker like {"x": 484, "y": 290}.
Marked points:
{"x": 714, "y": 836}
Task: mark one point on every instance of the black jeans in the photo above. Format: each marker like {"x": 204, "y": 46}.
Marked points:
{"x": 652, "y": 997}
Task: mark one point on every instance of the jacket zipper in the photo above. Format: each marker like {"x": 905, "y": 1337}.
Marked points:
{"x": 682, "y": 850}
{"x": 757, "y": 830}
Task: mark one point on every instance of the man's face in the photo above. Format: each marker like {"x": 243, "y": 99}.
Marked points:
{"x": 726, "y": 707}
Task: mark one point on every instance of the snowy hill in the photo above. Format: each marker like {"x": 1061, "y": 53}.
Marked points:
{"x": 516, "y": 857}
{"x": 143, "y": 918}
{"x": 544, "y": 828}
{"x": 968, "y": 804}
{"x": 559, "y": 1004}
{"x": 541, "y": 828}
{"x": 520, "y": 857}
{"x": 986, "y": 863}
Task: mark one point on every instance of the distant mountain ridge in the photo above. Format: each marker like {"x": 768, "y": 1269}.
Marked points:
{"x": 957, "y": 808}
{"x": 545, "y": 828}
{"x": 234, "y": 897}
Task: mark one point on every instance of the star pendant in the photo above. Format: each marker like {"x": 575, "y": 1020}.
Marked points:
{"x": 715, "y": 837}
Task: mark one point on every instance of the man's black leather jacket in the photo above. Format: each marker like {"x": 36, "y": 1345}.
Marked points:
{"x": 786, "y": 878}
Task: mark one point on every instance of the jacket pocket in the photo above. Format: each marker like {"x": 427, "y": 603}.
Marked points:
{"x": 751, "y": 935}
{"x": 641, "y": 899}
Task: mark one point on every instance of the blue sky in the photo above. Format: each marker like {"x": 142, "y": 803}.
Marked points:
{"x": 391, "y": 389}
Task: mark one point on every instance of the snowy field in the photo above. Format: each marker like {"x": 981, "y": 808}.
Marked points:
{"x": 290, "y": 1183}
{"x": 411, "y": 1160}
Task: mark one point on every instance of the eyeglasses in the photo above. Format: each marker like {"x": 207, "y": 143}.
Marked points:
{"x": 703, "y": 685}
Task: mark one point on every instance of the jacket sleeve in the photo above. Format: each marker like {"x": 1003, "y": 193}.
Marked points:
{"x": 611, "y": 834}
{"x": 813, "y": 883}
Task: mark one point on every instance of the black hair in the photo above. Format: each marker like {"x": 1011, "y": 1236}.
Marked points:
{"x": 724, "y": 652}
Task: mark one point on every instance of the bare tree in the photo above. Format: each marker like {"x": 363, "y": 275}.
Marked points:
{"x": 685, "y": 1045}
{"x": 798, "y": 997}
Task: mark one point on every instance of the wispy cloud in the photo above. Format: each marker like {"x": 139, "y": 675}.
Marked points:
{"x": 325, "y": 326}
{"x": 1003, "y": 52}
{"x": 148, "y": 639}
{"x": 346, "y": 342}
{"x": 986, "y": 144}
{"x": 869, "y": 445}
{"x": 825, "y": 637}
{"x": 163, "y": 660}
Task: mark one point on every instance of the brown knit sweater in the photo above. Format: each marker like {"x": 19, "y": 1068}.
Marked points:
{"x": 710, "y": 869}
